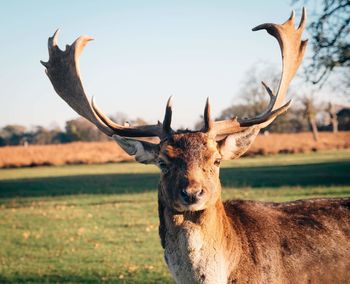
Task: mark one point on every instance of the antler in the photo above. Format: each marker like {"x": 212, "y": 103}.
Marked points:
{"x": 64, "y": 73}
{"x": 292, "y": 51}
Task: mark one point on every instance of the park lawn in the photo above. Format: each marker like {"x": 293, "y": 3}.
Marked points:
{"x": 99, "y": 223}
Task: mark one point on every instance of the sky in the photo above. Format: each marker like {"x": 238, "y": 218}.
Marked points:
{"x": 143, "y": 52}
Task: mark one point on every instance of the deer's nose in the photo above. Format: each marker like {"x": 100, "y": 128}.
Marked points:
{"x": 191, "y": 196}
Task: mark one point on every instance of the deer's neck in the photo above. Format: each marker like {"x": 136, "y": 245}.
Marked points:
{"x": 199, "y": 246}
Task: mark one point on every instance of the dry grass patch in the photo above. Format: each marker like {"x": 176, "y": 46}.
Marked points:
{"x": 62, "y": 154}
{"x": 108, "y": 152}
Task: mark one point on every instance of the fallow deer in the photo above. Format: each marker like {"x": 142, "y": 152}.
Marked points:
{"x": 206, "y": 240}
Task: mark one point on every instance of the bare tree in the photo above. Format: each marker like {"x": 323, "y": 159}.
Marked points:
{"x": 330, "y": 40}
{"x": 253, "y": 100}
{"x": 253, "y": 96}
{"x": 310, "y": 114}
{"x": 332, "y": 113}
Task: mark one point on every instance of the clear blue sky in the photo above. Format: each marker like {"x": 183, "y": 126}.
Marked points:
{"x": 143, "y": 52}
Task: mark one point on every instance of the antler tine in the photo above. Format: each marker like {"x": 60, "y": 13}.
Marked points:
{"x": 292, "y": 51}
{"x": 63, "y": 71}
{"x": 272, "y": 102}
{"x": 266, "y": 116}
{"x": 302, "y": 23}
{"x": 127, "y": 130}
{"x": 167, "y": 117}
{"x": 208, "y": 122}
{"x": 234, "y": 125}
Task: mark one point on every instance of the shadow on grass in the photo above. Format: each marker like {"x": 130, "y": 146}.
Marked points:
{"x": 136, "y": 277}
{"x": 323, "y": 174}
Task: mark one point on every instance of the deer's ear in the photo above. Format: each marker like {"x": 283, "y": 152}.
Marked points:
{"x": 144, "y": 152}
{"x": 235, "y": 145}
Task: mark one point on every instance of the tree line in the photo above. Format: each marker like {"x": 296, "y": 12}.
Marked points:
{"x": 75, "y": 130}
{"x": 78, "y": 129}
{"x": 304, "y": 115}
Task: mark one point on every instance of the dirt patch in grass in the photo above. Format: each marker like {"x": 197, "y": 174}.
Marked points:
{"x": 109, "y": 152}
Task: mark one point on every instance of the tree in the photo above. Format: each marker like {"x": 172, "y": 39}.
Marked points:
{"x": 331, "y": 111}
{"x": 12, "y": 134}
{"x": 42, "y": 135}
{"x": 138, "y": 121}
{"x": 310, "y": 115}
{"x": 330, "y": 40}
{"x": 289, "y": 122}
{"x": 119, "y": 117}
{"x": 253, "y": 98}
{"x": 122, "y": 118}
{"x": 344, "y": 119}
{"x": 82, "y": 130}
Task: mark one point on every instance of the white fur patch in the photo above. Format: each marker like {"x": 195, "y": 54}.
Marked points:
{"x": 191, "y": 259}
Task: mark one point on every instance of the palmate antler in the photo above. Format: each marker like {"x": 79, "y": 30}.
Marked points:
{"x": 292, "y": 51}
{"x": 64, "y": 73}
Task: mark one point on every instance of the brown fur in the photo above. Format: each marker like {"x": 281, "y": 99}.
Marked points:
{"x": 304, "y": 241}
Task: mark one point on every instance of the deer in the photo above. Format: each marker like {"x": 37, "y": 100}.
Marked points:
{"x": 206, "y": 240}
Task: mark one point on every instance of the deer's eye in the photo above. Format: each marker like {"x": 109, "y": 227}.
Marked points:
{"x": 217, "y": 162}
{"x": 163, "y": 166}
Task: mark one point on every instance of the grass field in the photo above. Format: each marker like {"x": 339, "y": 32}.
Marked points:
{"x": 98, "y": 223}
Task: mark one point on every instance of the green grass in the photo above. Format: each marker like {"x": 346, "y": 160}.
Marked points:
{"x": 99, "y": 223}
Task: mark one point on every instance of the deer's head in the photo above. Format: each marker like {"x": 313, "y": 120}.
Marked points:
{"x": 189, "y": 160}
